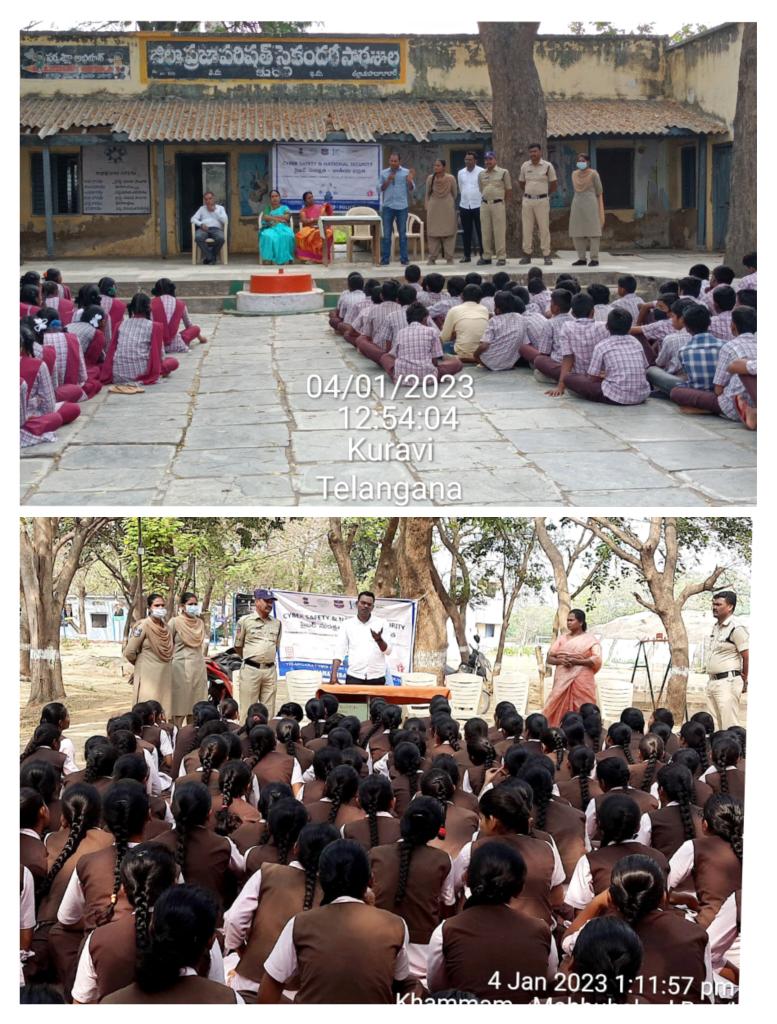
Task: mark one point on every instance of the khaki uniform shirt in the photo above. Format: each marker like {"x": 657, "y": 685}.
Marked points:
{"x": 494, "y": 183}
{"x": 536, "y": 177}
{"x": 727, "y": 642}
{"x": 258, "y": 637}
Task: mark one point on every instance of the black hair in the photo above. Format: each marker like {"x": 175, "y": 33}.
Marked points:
{"x": 706, "y": 720}
{"x": 311, "y": 843}
{"x": 355, "y": 281}
{"x": 420, "y": 823}
{"x": 336, "y": 735}
{"x": 49, "y": 288}
{"x": 561, "y": 298}
{"x": 690, "y": 286}
{"x": 619, "y": 321}
{"x": 190, "y": 806}
{"x": 388, "y": 290}
{"x": 745, "y": 320}
{"x": 447, "y": 763}
{"x": 355, "y": 758}
{"x": 447, "y": 730}
{"x": 723, "y": 274}
{"x": 343, "y": 870}
{"x": 130, "y": 766}
{"x": 620, "y": 734}
{"x": 291, "y": 710}
{"x": 416, "y": 313}
{"x": 724, "y": 297}
{"x": 661, "y": 729}
{"x": 125, "y": 811}
{"x": 612, "y": 772}
{"x": 342, "y": 785}
{"x": 730, "y": 598}
{"x": 406, "y": 295}
{"x": 182, "y": 927}
{"x": 316, "y": 712}
{"x": 541, "y": 781}
{"x": 164, "y": 286}
{"x": 726, "y": 751}
{"x": 628, "y": 283}
{"x": 610, "y": 951}
{"x": 651, "y": 748}
{"x": 725, "y": 817}
{"x": 473, "y": 277}
{"x": 42, "y": 777}
{"x": 325, "y": 760}
{"x": 747, "y": 297}
{"x": 554, "y": 740}
{"x": 618, "y": 816}
{"x": 496, "y": 874}
{"x": 471, "y": 293}
{"x": 582, "y": 306}
{"x": 695, "y": 736}
{"x": 592, "y": 723}
{"x": 100, "y": 756}
{"x": 741, "y": 734}
{"x": 28, "y": 294}
{"x": 234, "y": 780}
{"x": 581, "y": 763}
{"x": 375, "y": 794}
{"x": 413, "y": 273}
{"x": 572, "y": 730}
{"x": 30, "y": 277}
{"x": 515, "y": 757}
{"x": 677, "y": 782}
{"x": 407, "y": 761}
{"x": 534, "y": 145}
{"x": 88, "y": 295}
{"x": 213, "y": 753}
{"x": 331, "y": 704}
{"x": 287, "y": 734}
{"x": 637, "y": 887}
{"x": 45, "y": 735}
{"x": 139, "y": 305}
{"x": 664, "y": 715}
{"x": 148, "y": 870}
{"x": 285, "y": 820}
{"x": 227, "y": 706}
{"x": 536, "y": 724}
{"x": 482, "y": 753}
{"x": 434, "y": 283}
{"x": 634, "y": 718}
{"x": 437, "y": 784}
{"x": 123, "y": 740}
{"x": 509, "y": 803}
{"x": 697, "y": 318}
{"x": 39, "y": 995}
{"x": 81, "y": 809}
{"x": 505, "y": 302}
{"x": 750, "y": 260}
{"x": 262, "y": 740}
{"x": 600, "y": 293}
{"x": 271, "y": 793}
{"x": 501, "y": 708}
{"x": 456, "y": 285}
{"x": 31, "y": 803}
{"x": 700, "y": 270}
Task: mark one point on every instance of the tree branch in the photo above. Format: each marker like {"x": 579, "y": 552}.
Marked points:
{"x": 645, "y": 604}
{"x": 699, "y": 588}
{"x": 616, "y": 549}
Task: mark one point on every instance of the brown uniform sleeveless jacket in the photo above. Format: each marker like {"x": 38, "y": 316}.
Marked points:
{"x": 32, "y": 855}
{"x": 535, "y": 897}
{"x": 460, "y": 827}
{"x": 400, "y": 784}
{"x": 94, "y": 840}
{"x": 673, "y": 947}
{"x": 52, "y": 757}
{"x": 736, "y": 783}
{"x": 479, "y": 941}
{"x": 183, "y": 746}
{"x": 190, "y": 989}
{"x": 603, "y": 860}
{"x": 421, "y": 905}
{"x": 206, "y": 861}
{"x": 100, "y": 784}
{"x": 331, "y": 940}
{"x": 313, "y": 791}
{"x": 717, "y": 872}
{"x": 571, "y": 791}
{"x": 195, "y": 776}
{"x": 274, "y": 767}
{"x": 258, "y": 856}
{"x": 667, "y": 831}
{"x": 567, "y": 826}
{"x": 248, "y": 834}
{"x": 319, "y": 813}
{"x": 359, "y": 831}
{"x": 96, "y": 873}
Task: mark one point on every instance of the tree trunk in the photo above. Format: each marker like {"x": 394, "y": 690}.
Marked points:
{"x": 342, "y": 555}
{"x": 675, "y": 691}
{"x": 506, "y": 616}
{"x": 206, "y": 599}
{"x": 742, "y": 221}
{"x": 454, "y": 613}
{"x": 37, "y": 572}
{"x": 82, "y": 609}
{"x": 414, "y": 562}
{"x": 560, "y": 576}
{"x": 24, "y": 638}
{"x": 384, "y": 582}
{"x": 518, "y": 113}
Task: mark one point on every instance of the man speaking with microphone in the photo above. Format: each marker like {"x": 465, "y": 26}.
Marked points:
{"x": 361, "y": 640}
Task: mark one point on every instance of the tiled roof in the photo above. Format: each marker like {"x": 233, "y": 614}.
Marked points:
{"x": 225, "y": 120}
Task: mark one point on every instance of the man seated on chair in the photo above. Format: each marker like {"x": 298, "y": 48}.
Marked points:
{"x": 210, "y": 223}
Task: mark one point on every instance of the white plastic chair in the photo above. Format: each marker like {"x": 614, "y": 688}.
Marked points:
{"x": 302, "y": 684}
{"x": 612, "y": 697}
{"x": 417, "y": 679}
{"x": 512, "y": 688}
{"x": 466, "y": 690}
{"x": 358, "y": 232}
{"x": 223, "y": 253}
{"x": 416, "y": 234}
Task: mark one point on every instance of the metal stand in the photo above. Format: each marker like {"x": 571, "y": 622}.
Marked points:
{"x": 642, "y": 661}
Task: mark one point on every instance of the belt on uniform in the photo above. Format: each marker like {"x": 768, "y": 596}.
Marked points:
{"x": 545, "y": 196}
{"x": 258, "y": 664}
{"x": 493, "y": 201}
{"x": 724, "y": 675}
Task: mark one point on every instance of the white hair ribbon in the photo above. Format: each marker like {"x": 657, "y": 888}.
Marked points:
{"x": 40, "y": 325}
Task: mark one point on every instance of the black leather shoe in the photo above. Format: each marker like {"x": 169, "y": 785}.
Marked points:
{"x": 501, "y": 263}
{"x": 465, "y": 259}
{"x": 579, "y": 263}
{"x": 593, "y": 263}
{"x": 525, "y": 259}
{"x": 482, "y": 263}
{"x": 548, "y": 261}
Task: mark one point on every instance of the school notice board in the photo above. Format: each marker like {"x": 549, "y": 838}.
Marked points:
{"x": 311, "y": 623}
{"x": 344, "y": 176}
{"x": 115, "y": 179}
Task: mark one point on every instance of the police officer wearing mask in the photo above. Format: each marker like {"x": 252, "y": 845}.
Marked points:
{"x": 257, "y": 642}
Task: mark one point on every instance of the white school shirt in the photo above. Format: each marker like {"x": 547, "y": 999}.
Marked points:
{"x": 680, "y": 865}
{"x": 26, "y": 917}
{"x": 436, "y": 978}
{"x": 581, "y": 884}
{"x": 365, "y": 658}
{"x": 85, "y": 988}
{"x": 723, "y": 934}
{"x": 165, "y": 744}
{"x": 66, "y": 747}
{"x": 73, "y": 904}
{"x": 645, "y": 834}
{"x": 470, "y": 196}
{"x": 461, "y": 864}
{"x": 281, "y": 964}
{"x": 591, "y": 824}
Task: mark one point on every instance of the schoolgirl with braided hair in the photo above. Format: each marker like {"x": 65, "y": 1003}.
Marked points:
{"x": 404, "y": 774}
{"x": 187, "y": 739}
{"x": 373, "y": 724}
{"x": 536, "y": 724}
{"x": 651, "y": 753}
{"x": 737, "y": 730}
{"x": 376, "y": 799}
{"x": 44, "y": 779}
{"x": 379, "y": 743}
{"x": 315, "y": 712}
{"x": 285, "y": 820}
{"x": 229, "y": 710}
{"x": 580, "y": 788}
{"x": 270, "y": 765}
{"x": 355, "y": 758}
{"x": 554, "y": 816}
{"x": 724, "y": 776}
{"x": 104, "y": 966}
{"x": 213, "y": 752}
{"x": 100, "y": 757}
{"x": 255, "y": 715}
{"x": 338, "y": 805}
{"x": 694, "y": 735}
{"x": 234, "y": 781}
{"x": 482, "y": 759}
{"x": 437, "y": 784}
{"x": 44, "y": 746}
{"x": 495, "y": 733}
{"x": 291, "y": 709}
{"x": 81, "y": 811}
{"x": 677, "y": 820}
{"x": 288, "y": 736}
{"x": 592, "y": 724}
{"x": 445, "y": 735}
{"x": 323, "y": 762}
{"x": 554, "y": 742}
{"x": 56, "y": 713}
{"x": 706, "y": 720}
{"x": 125, "y": 813}
{"x": 511, "y": 726}
{"x": 724, "y": 817}
{"x": 618, "y": 742}
{"x": 609, "y": 953}
{"x": 33, "y": 822}
{"x": 257, "y": 833}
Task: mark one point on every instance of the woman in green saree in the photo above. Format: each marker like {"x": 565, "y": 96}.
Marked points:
{"x": 276, "y": 239}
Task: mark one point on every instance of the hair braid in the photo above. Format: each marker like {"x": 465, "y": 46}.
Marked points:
{"x": 318, "y": 728}
{"x": 405, "y": 853}
{"x": 650, "y": 771}
{"x": 206, "y": 762}
{"x": 142, "y": 918}
{"x": 337, "y": 799}
{"x": 265, "y": 837}
{"x": 90, "y": 771}
{"x": 558, "y": 743}
{"x": 78, "y": 830}
{"x": 489, "y": 759}
{"x": 370, "y": 733}
{"x": 226, "y": 820}
{"x": 686, "y": 815}
{"x": 311, "y": 874}
{"x": 701, "y": 750}
{"x": 180, "y": 846}
{"x": 721, "y": 766}
{"x": 543, "y": 800}
{"x": 121, "y": 836}
{"x": 291, "y": 750}
{"x": 372, "y": 817}
{"x": 284, "y": 845}
{"x": 627, "y": 753}
{"x": 585, "y": 796}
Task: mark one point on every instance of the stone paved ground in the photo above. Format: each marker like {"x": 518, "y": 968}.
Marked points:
{"x": 236, "y": 426}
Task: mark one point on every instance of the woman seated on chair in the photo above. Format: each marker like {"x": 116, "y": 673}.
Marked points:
{"x": 310, "y": 245}
{"x": 276, "y": 239}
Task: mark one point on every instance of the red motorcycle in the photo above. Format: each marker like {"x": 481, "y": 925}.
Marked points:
{"x": 219, "y": 670}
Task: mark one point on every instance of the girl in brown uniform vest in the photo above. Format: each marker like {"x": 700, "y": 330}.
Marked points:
{"x": 673, "y": 947}
{"x": 380, "y": 826}
{"x": 581, "y": 788}
{"x": 100, "y": 757}
{"x": 617, "y": 743}
{"x": 44, "y": 746}
{"x": 269, "y": 764}
{"x": 338, "y": 805}
{"x": 182, "y": 928}
{"x": 268, "y": 900}
{"x": 606, "y": 960}
{"x": 690, "y": 759}
{"x": 678, "y": 819}
{"x": 285, "y": 820}
{"x": 213, "y": 753}
{"x": 642, "y": 775}
{"x": 33, "y": 821}
{"x": 492, "y": 942}
{"x": 458, "y": 824}
{"x": 447, "y": 764}
{"x": 231, "y": 808}
{"x": 725, "y": 776}
{"x": 288, "y": 735}
{"x": 44, "y": 779}
{"x": 133, "y": 766}
{"x": 315, "y": 712}
{"x": 405, "y": 774}
{"x": 322, "y": 945}
{"x": 694, "y": 735}
{"x": 495, "y": 734}
{"x": 553, "y": 815}
{"x": 187, "y": 738}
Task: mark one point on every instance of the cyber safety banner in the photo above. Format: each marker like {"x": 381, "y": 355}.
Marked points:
{"x": 344, "y": 176}
{"x": 311, "y": 623}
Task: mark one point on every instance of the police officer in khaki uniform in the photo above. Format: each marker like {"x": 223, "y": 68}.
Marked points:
{"x": 496, "y": 189}
{"x": 727, "y": 661}
{"x": 257, "y": 641}
{"x": 538, "y": 180}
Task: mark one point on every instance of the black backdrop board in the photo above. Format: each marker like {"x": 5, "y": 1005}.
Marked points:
{"x": 198, "y": 59}
{"x": 75, "y": 61}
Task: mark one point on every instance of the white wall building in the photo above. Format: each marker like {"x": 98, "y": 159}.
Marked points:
{"x": 105, "y": 618}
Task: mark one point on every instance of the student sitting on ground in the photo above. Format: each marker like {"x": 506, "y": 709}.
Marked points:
{"x": 29, "y": 299}
{"x": 432, "y": 290}
{"x": 720, "y": 275}
{"x": 349, "y": 331}
{"x": 465, "y": 323}
{"x": 750, "y": 280}
{"x": 723, "y": 301}
{"x": 690, "y": 287}
{"x": 136, "y": 354}
{"x": 412, "y": 276}
{"x": 55, "y": 276}
{"x": 501, "y": 281}
{"x": 698, "y": 356}
{"x": 747, "y": 297}
{"x": 652, "y": 334}
{"x": 439, "y": 310}
{"x": 364, "y": 322}
{"x": 349, "y": 299}
{"x": 504, "y": 334}
{"x": 388, "y": 304}
{"x": 579, "y": 337}
{"x": 722, "y": 399}
{"x": 627, "y": 297}
{"x": 487, "y": 293}
{"x": 668, "y": 356}
{"x": 416, "y": 351}
{"x": 539, "y": 295}
{"x": 53, "y": 300}
{"x": 745, "y": 394}
{"x": 568, "y": 281}
{"x": 90, "y": 331}
{"x": 548, "y": 341}
{"x": 600, "y": 293}
{"x": 171, "y": 312}
{"x": 390, "y": 326}
{"x": 115, "y": 308}
{"x": 40, "y": 413}
{"x": 616, "y": 373}
{"x": 72, "y": 381}
{"x": 702, "y": 271}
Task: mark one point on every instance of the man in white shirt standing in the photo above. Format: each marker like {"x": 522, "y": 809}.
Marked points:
{"x": 469, "y": 205}
{"x": 210, "y": 222}
{"x": 361, "y": 640}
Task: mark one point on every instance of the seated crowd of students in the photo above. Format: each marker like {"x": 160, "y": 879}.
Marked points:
{"x": 363, "y": 862}
{"x": 695, "y": 343}
{"x": 69, "y": 349}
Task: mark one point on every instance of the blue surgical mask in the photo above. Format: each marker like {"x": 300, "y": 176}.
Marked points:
{"x": 581, "y": 165}
{"x": 192, "y": 609}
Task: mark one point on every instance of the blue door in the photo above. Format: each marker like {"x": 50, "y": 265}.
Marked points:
{"x": 721, "y": 191}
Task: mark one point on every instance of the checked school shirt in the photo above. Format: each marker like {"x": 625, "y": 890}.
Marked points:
{"x": 743, "y": 347}
{"x": 550, "y": 344}
{"x": 623, "y": 361}
{"x": 504, "y": 334}
{"x": 579, "y": 338}
{"x": 699, "y": 359}
{"x": 414, "y": 347}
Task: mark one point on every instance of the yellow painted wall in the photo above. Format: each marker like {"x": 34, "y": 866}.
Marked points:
{"x": 704, "y": 71}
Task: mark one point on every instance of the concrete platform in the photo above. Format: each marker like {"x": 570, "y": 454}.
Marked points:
{"x": 252, "y": 304}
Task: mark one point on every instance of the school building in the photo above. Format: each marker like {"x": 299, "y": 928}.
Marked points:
{"x": 121, "y": 133}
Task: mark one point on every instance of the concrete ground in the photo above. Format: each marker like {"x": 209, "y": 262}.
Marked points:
{"x": 236, "y": 425}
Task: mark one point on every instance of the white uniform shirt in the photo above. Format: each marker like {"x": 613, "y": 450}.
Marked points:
{"x": 215, "y": 218}
{"x": 365, "y": 658}
{"x": 470, "y": 196}
{"x": 66, "y": 747}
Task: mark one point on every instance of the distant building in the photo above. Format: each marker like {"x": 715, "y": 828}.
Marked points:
{"x": 105, "y": 618}
{"x": 122, "y": 132}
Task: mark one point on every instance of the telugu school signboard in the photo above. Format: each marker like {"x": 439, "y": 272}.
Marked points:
{"x": 76, "y": 60}
{"x": 296, "y": 59}
{"x": 116, "y": 179}
{"x": 311, "y": 623}
{"x": 345, "y": 176}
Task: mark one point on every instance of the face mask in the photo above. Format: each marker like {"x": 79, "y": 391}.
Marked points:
{"x": 159, "y": 613}
{"x": 581, "y": 165}
{"x": 192, "y": 609}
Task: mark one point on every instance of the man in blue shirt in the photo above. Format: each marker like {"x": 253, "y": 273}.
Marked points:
{"x": 396, "y": 182}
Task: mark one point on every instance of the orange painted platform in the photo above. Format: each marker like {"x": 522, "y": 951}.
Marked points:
{"x": 281, "y": 283}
